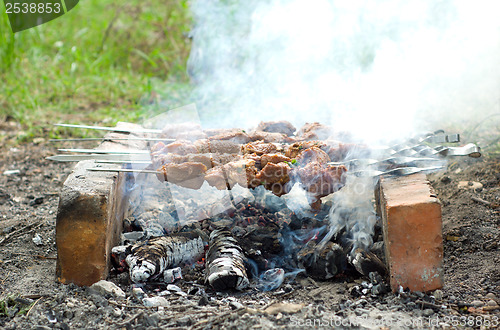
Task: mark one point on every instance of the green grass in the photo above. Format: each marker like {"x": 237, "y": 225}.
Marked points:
{"x": 102, "y": 62}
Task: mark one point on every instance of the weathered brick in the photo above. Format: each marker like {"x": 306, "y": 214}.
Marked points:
{"x": 411, "y": 215}
{"x": 89, "y": 220}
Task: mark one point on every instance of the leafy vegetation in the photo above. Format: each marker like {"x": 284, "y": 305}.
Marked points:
{"x": 102, "y": 62}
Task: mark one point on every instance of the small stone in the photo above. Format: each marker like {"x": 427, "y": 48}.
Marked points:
{"x": 445, "y": 179}
{"x": 438, "y": 294}
{"x": 491, "y": 296}
{"x": 203, "y": 301}
{"x": 235, "y": 305}
{"x": 283, "y": 308}
{"x": 491, "y": 303}
{"x": 37, "y": 239}
{"x": 36, "y": 201}
{"x": 427, "y": 312}
{"x": 477, "y": 303}
{"x": 117, "y": 312}
{"x": 138, "y": 293}
{"x": 106, "y": 287}
{"x": 184, "y": 321}
{"x": 155, "y": 302}
{"x": 151, "y": 321}
{"x": 473, "y": 185}
{"x": 174, "y": 288}
{"x": 12, "y": 172}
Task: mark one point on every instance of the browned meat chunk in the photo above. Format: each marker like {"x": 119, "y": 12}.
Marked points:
{"x": 187, "y": 131}
{"x": 293, "y": 150}
{"x": 321, "y": 180}
{"x": 237, "y": 136}
{"x": 259, "y": 148}
{"x": 275, "y": 177}
{"x": 314, "y": 131}
{"x": 270, "y": 137}
{"x": 241, "y": 172}
{"x": 273, "y": 158}
{"x": 281, "y": 126}
{"x": 216, "y": 146}
{"x": 205, "y": 159}
{"x": 216, "y": 178}
{"x": 220, "y": 131}
{"x": 313, "y": 154}
{"x": 179, "y": 147}
{"x": 188, "y": 175}
{"x": 339, "y": 151}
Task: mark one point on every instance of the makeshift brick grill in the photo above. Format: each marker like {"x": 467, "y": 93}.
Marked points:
{"x": 254, "y": 208}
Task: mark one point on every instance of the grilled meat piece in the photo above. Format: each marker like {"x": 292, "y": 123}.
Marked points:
{"x": 281, "y": 126}
{"x": 179, "y": 147}
{"x": 275, "y": 177}
{"x": 189, "y": 174}
{"x": 242, "y": 172}
{"x": 293, "y": 150}
{"x": 314, "y": 131}
{"x": 237, "y": 136}
{"x": 205, "y": 159}
{"x": 313, "y": 154}
{"x": 273, "y": 158}
{"x": 270, "y": 137}
{"x": 259, "y": 148}
{"x": 188, "y": 131}
{"x": 217, "y": 178}
{"x": 338, "y": 151}
{"x": 319, "y": 179}
{"x": 217, "y": 146}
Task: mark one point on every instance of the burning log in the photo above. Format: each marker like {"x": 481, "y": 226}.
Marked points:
{"x": 152, "y": 258}
{"x": 225, "y": 267}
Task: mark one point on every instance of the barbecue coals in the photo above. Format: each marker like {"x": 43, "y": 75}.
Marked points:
{"x": 250, "y": 209}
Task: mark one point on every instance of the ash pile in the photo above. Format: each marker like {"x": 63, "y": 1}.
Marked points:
{"x": 250, "y": 211}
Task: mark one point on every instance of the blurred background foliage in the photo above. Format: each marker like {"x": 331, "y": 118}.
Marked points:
{"x": 102, "y": 62}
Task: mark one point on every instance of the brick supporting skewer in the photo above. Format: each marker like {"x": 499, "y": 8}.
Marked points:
{"x": 89, "y": 219}
{"x": 411, "y": 216}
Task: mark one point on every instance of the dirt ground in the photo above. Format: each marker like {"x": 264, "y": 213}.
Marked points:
{"x": 31, "y": 298}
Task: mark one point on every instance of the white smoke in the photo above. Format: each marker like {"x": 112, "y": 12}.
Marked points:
{"x": 376, "y": 69}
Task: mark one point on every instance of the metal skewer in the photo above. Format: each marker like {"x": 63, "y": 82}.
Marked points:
{"x": 113, "y": 129}
{"x": 107, "y": 152}
{"x": 129, "y": 170}
{"x": 400, "y": 171}
{"x": 113, "y": 139}
{"x": 125, "y": 158}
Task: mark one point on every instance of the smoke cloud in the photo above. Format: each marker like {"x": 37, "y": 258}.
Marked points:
{"x": 379, "y": 70}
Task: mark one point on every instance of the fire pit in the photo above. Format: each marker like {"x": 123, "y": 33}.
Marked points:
{"x": 252, "y": 210}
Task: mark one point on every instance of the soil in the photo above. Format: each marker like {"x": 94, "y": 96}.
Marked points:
{"x": 32, "y": 298}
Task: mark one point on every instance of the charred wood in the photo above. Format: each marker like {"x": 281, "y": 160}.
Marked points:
{"x": 225, "y": 262}
{"x": 150, "y": 259}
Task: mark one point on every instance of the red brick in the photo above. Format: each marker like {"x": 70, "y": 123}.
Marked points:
{"x": 411, "y": 215}
{"x": 89, "y": 220}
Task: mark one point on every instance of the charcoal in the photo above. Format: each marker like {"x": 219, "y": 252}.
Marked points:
{"x": 366, "y": 262}
{"x": 322, "y": 261}
{"x": 225, "y": 262}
